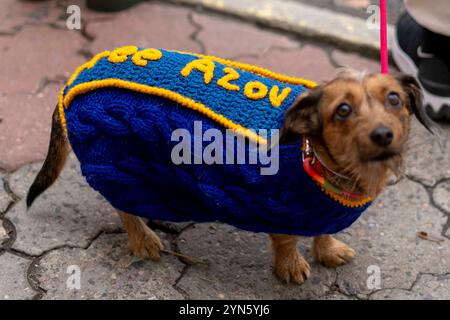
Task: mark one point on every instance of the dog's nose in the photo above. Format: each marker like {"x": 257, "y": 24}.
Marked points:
{"x": 382, "y": 136}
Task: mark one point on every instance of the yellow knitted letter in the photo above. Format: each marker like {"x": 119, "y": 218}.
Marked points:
{"x": 121, "y": 54}
{"x": 277, "y": 99}
{"x": 230, "y": 75}
{"x": 203, "y": 65}
{"x": 142, "y": 57}
{"x": 255, "y": 90}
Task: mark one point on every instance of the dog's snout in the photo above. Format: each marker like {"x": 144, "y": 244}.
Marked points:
{"x": 382, "y": 136}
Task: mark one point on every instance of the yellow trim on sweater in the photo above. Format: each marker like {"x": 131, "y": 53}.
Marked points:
{"x": 347, "y": 202}
{"x": 88, "y": 65}
{"x": 62, "y": 115}
{"x": 164, "y": 93}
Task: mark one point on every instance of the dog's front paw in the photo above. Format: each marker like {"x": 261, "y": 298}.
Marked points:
{"x": 146, "y": 246}
{"x": 331, "y": 252}
{"x": 292, "y": 268}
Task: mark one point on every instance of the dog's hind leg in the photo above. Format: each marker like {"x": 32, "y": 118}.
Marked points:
{"x": 331, "y": 252}
{"x": 143, "y": 241}
{"x": 290, "y": 266}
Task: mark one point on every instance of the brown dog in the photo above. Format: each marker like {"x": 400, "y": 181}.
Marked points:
{"x": 358, "y": 125}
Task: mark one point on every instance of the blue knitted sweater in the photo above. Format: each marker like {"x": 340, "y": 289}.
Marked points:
{"x": 121, "y": 108}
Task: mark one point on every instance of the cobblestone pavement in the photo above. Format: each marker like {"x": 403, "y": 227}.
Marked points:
{"x": 72, "y": 225}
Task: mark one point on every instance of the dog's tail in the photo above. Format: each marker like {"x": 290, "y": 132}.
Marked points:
{"x": 56, "y": 157}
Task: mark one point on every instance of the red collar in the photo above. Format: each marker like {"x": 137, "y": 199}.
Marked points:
{"x": 315, "y": 169}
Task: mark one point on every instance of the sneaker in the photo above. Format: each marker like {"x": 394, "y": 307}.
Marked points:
{"x": 111, "y": 5}
{"x": 426, "y": 56}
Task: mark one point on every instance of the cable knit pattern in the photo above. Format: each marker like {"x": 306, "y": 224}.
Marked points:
{"x": 123, "y": 141}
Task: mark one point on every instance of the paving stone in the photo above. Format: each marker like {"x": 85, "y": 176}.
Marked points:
{"x": 108, "y": 271}
{"x": 174, "y": 227}
{"x": 428, "y": 156}
{"x": 337, "y": 296}
{"x": 230, "y": 39}
{"x": 5, "y": 199}
{"x": 441, "y": 195}
{"x": 240, "y": 267}
{"x": 35, "y": 53}
{"x": 355, "y": 61}
{"x": 25, "y": 129}
{"x": 3, "y": 234}
{"x": 386, "y": 238}
{"x": 309, "y": 62}
{"x": 145, "y": 25}
{"x": 13, "y": 278}
{"x": 87, "y": 15}
{"x": 69, "y": 213}
{"x": 429, "y": 287}
{"x": 15, "y": 14}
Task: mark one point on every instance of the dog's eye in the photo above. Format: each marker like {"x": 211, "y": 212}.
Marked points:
{"x": 394, "y": 99}
{"x": 344, "y": 111}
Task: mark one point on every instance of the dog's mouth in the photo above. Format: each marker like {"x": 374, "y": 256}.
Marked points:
{"x": 384, "y": 156}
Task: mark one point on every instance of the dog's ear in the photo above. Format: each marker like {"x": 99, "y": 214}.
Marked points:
{"x": 415, "y": 102}
{"x": 303, "y": 117}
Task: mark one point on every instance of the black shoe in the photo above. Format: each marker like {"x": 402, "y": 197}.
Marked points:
{"x": 110, "y": 5}
{"x": 425, "y": 55}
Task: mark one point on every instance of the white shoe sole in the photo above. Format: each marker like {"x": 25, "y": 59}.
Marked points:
{"x": 407, "y": 65}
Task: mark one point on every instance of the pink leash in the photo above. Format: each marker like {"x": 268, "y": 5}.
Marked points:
{"x": 384, "y": 57}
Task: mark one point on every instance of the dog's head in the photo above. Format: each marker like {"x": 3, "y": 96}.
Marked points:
{"x": 359, "y": 123}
